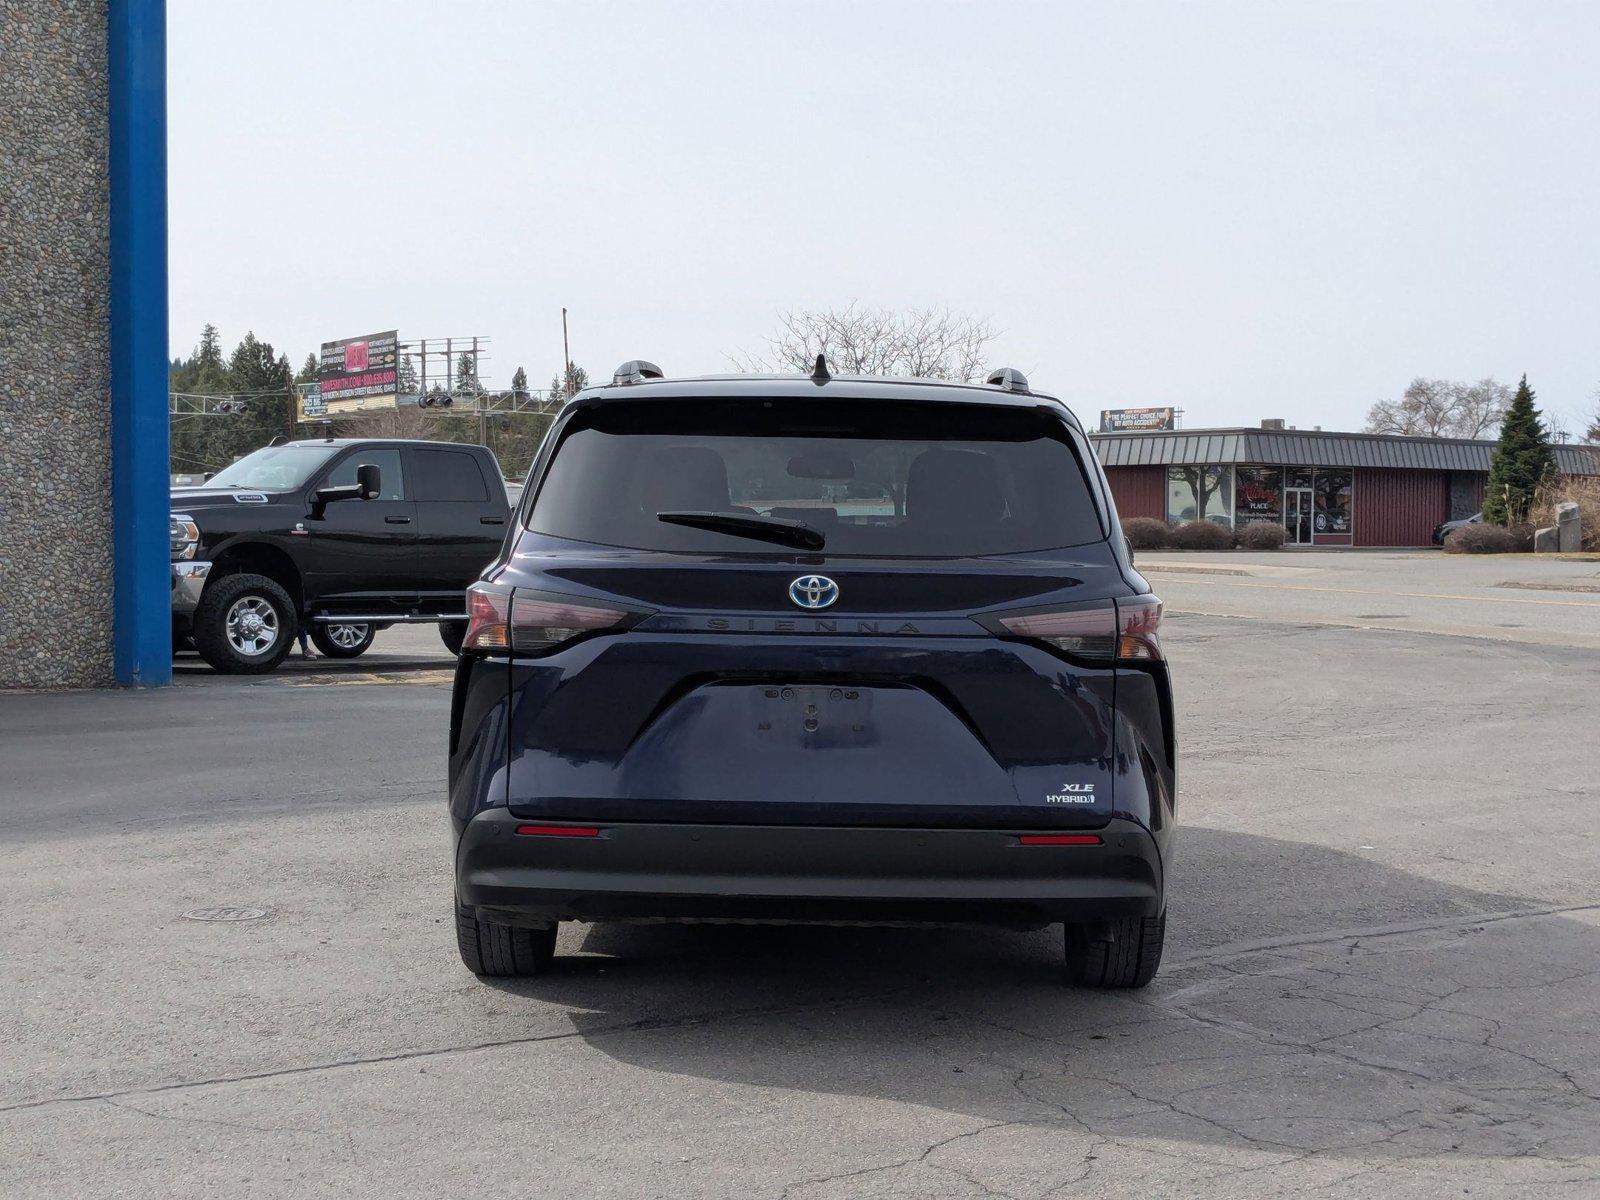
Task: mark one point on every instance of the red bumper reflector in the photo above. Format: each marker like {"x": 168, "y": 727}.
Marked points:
{"x": 558, "y": 831}
{"x": 1055, "y": 839}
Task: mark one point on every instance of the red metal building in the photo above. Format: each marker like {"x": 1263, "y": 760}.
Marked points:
{"x": 1327, "y": 489}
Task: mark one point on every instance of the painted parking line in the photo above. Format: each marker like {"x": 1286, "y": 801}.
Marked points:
{"x": 327, "y": 679}
{"x": 1306, "y": 587}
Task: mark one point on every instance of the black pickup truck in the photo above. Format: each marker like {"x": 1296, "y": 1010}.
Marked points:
{"x": 343, "y": 536}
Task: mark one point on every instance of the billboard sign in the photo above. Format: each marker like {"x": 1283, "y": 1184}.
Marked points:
{"x": 359, "y": 372}
{"x": 311, "y": 402}
{"x": 1130, "y": 420}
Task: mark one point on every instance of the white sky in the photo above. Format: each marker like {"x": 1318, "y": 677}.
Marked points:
{"x": 1247, "y": 210}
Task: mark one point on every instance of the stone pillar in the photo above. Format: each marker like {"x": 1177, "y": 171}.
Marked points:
{"x": 55, "y": 375}
{"x": 1569, "y": 533}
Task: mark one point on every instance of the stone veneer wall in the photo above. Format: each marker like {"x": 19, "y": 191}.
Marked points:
{"x": 55, "y": 367}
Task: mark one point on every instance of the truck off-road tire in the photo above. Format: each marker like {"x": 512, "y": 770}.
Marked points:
{"x": 337, "y": 639}
{"x": 244, "y": 625}
{"x": 496, "y": 950}
{"x": 452, "y": 634}
{"x": 1115, "y": 954}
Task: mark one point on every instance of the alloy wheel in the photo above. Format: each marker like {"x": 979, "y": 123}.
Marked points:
{"x": 252, "y": 626}
{"x": 347, "y": 637}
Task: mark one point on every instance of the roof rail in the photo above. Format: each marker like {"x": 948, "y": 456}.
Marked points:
{"x": 635, "y": 370}
{"x": 1008, "y": 379}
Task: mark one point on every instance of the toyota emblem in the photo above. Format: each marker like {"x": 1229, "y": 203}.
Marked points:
{"x": 813, "y": 591}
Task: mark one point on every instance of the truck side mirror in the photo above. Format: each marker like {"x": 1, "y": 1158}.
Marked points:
{"x": 368, "y": 486}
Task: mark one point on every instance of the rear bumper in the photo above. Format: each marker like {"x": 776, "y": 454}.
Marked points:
{"x": 637, "y": 871}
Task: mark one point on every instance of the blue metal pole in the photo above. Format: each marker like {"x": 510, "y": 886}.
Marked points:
{"x": 136, "y": 45}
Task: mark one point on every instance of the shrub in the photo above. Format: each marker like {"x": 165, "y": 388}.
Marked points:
{"x": 1145, "y": 533}
{"x": 1263, "y": 535}
{"x": 1200, "y": 535}
{"x": 1582, "y": 490}
{"x": 1488, "y": 539}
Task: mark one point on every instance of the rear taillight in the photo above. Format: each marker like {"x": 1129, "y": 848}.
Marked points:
{"x": 487, "y": 624}
{"x": 497, "y": 620}
{"x": 1138, "y": 628}
{"x": 1126, "y": 630}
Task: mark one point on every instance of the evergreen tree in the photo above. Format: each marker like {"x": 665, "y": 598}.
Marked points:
{"x": 264, "y": 380}
{"x": 466, "y": 375}
{"x": 203, "y": 373}
{"x": 519, "y": 383}
{"x": 309, "y": 370}
{"x": 576, "y": 380}
{"x": 1592, "y": 434}
{"x": 1522, "y": 462}
{"x": 405, "y": 377}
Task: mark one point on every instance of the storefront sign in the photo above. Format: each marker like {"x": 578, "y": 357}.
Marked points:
{"x": 1333, "y": 490}
{"x": 1260, "y": 495}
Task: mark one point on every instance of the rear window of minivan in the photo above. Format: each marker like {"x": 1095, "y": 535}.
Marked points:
{"x": 874, "y": 478}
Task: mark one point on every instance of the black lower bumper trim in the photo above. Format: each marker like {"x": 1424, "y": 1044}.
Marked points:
{"x": 785, "y": 873}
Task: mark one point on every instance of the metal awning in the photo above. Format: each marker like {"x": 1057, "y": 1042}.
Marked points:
{"x": 1313, "y": 448}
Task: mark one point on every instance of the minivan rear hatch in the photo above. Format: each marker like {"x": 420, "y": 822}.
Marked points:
{"x": 809, "y": 635}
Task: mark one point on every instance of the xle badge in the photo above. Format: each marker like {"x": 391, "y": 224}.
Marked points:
{"x": 1072, "y": 793}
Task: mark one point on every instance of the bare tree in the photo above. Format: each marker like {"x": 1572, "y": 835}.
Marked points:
{"x": 1442, "y": 408}
{"x": 1480, "y": 407}
{"x": 929, "y": 343}
{"x": 1592, "y": 434}
{"x": 404, "y": 421}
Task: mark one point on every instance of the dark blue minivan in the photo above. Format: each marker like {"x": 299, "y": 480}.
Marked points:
{"x": 814, "y": 649}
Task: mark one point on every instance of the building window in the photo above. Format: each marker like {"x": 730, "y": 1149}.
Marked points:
{"x": 1333, "y": 491}
{"x": 1259, "y": 496}
{"x": 1196, "y": 493}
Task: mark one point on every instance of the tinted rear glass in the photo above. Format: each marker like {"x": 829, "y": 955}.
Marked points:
{"x": 449, "y": 475}
{"x": 875, "y": 479}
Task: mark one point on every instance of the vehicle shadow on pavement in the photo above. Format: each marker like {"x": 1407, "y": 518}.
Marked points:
{"x": 1347, "y": 1017}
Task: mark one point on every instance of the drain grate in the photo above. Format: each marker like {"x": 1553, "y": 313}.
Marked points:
{"x": 226, "y": 912}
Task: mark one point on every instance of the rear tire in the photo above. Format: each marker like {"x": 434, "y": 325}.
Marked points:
{"x": 1124, "y": 953}
{"x": 501, "y": 951}
{"x": 342, "y": 640}
{"x": 452, "y": 634}
{"x": 244, "y": 625}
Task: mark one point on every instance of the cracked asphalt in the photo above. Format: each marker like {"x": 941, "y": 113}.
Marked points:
{"x": 1383, "y": 972}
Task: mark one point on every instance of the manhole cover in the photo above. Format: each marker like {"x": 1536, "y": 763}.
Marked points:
{"x": 226, "y": 912}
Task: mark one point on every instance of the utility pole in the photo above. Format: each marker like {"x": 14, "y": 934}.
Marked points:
{"x": 480, "y": 399}
{"x": 566, "y": 359}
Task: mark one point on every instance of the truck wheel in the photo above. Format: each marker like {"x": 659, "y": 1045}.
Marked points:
{"x": 338, "y": 640}
{"x": 244, "y": 625}
{"x": 489, "y": 948}
{"x": 452, "y": 634}
{"x": 1115, "y": 954}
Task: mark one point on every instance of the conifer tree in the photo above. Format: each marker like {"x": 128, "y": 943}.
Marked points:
{"x": 1522, "y": 462}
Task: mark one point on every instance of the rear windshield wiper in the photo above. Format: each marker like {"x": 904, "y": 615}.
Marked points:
{"x": 751, "y": 525}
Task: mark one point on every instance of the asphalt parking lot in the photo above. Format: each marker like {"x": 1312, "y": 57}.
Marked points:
{"x": 1383, "y": 972}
